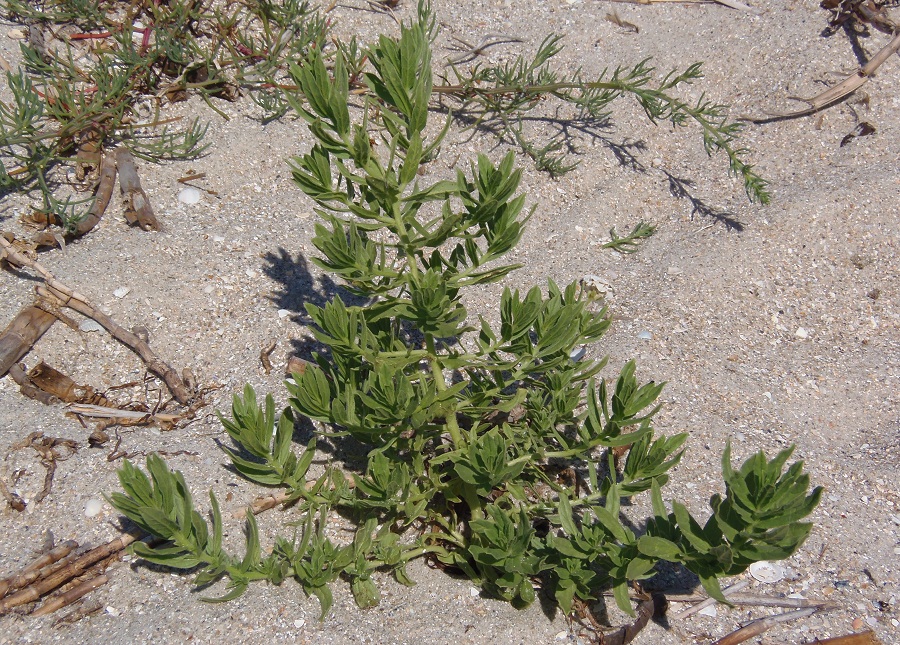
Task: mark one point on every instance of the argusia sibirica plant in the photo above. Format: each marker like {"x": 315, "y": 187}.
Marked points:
{"x": 490, "y": 450}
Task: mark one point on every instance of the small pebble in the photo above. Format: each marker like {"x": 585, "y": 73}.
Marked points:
{"x": 299, "y": 623}
{"x": 283, "y": 313}
{"x": 474, "y": 592}
{"x": 871, "y": 621}
{"x": 93, "y": 507}
{"x": 89, "y": 325}
{"x": 857, "y": 623}
{"x": 645, "y": 335}
{"x": 189, "y": 195}
{"x": 121, "y": 292}
{"x": 17, "y": 34}
{"x": 709, "y": 611}
{"x": 561, "y": 636}
{"x": 577, "y": 354}
{"x": 801, "y": 333}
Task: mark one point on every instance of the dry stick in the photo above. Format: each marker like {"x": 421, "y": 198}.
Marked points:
{"x": 154, "y": 364}
{"x": 845, "y": 87}
{"x": 103, "y": 412}
{"x": 22, "y": 333}
{"x": 137, "y": 206}
{"x": 758, "y": 601}
{"x": 33, "y": 571}
{"x": 74, "y": 300}
{"x": 743, "y": 584}
{"x": 763, "y": 625}
{"x": 70, "y": 596}
{"x": 63, "y": 575}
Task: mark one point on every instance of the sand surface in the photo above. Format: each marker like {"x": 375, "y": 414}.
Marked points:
{"x": 772, "y": 325}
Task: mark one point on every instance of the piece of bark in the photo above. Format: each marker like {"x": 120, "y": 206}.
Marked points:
{"x": 21, "y": 334}
{"x": 137, "y": 206}
{"x": 29, "y": 389}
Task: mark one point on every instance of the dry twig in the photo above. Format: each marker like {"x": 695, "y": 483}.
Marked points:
{"x": 738, "y": 586}
{"x": 762, "y": 625}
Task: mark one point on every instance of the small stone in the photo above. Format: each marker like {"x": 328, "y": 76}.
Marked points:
{"x": 121, "y": 292}
{"x": 801, "y": 333}
{"x": 858, "y": 623}
{"x": 218, "y": 238}
{"x": 474, "y": 592}
{"x": 709, "y": 611}
{"x": 112, "y": 611}
{"x": 93, "y": 507}
{"x": 299, "y": 623}
{"x": 561, "y": 636}
{"x": 577, "y": 354}
{"x": 89, "y": 325}
{"x": 871, "y": 621}
{"x": 189, "y": 195}
{"x": 17, "y": 34}
{"x": 645, "y": 335}
{"x": 283, "y": 313}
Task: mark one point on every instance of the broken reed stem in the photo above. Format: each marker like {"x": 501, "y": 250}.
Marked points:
{"x": 762, "y": 625}
{"x": 758, "y": 601}
{"x": 862, "y": 638}
{"x": 738, "y": 586}
{"x": 33, "y": 571}
{"x": 647, "y": 608}
{"x": 70, "y": 596}
{"x": 64, "y": 574}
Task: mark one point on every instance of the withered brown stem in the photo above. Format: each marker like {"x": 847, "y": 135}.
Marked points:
{"x": 137, "y": 205}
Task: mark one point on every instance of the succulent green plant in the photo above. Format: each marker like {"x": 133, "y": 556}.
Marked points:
{"x": 490, "y": 448}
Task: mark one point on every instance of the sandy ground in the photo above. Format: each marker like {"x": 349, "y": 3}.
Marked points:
{"x": 772, "y": 325}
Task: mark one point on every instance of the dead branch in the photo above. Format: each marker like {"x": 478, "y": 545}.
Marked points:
{"x": 137, "y": 206}
{"x": 264, "y": 356}
{"x": 61, "y": 576}
{"x": 22, "y": 333}
{"x": 738, "y": 586}
{"x": 762, "y": 625}
{"x": 32, "y": 572}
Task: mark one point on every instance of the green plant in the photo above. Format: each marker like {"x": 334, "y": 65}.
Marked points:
{"x": 490, "y": 449}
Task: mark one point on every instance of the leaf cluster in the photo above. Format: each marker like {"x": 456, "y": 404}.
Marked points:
{"x": 493, "y": 447}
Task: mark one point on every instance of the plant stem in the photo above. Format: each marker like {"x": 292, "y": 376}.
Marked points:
{"x": 441, "y": 385}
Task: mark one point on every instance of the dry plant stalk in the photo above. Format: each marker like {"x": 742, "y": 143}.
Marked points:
{"x": 738, "y": 586}
{"x": 845, "y": 87}
{"x": 70, "y": 596}
{"x": 37, "y": 568}
{"x": 29, "y": 389}
{"x": 763, "y": 625}
{"x": 137, "y": 206}
{"x": 64, "y": 574}
{"x": 55, "y": 289}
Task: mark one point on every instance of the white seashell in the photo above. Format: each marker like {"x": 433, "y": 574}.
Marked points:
{"x": 189, "y": 195}
{"x": 93, "y": 507}
{"x": 768, "y": 572}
